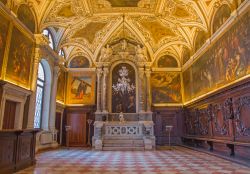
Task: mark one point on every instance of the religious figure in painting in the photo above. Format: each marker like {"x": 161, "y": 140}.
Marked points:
{"x": 226, "y": 61}
{"x": 80, "y": 88}
{"x": 166, "y": 87}
{"x": 79, "y": 62}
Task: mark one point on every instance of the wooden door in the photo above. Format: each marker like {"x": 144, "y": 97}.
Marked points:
{"x": 58, "y": 126}
{"x": 78, "y": 133}
{"x": 9, "y": 115}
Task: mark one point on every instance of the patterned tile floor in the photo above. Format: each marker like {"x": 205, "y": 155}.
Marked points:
{"x": 179, "y": 160}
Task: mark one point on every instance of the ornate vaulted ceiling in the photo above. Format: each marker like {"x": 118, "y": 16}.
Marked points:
{"x": 163, "y": 26}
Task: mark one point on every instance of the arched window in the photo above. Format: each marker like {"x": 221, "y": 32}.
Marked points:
{"x": 61, "y": 53}
{"x": 39, "y": 96}
{"x": 48, "y": 34}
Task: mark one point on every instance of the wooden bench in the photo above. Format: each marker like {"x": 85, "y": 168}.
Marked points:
{"x": 210, "y": 141}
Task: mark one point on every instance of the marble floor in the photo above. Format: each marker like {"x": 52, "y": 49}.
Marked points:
{"x": 179, "y": 160}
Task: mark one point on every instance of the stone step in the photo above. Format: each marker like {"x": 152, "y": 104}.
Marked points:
{"x": 122, "y": 138}
{"x": 123, "y": 142}
{"x": 123, "y": 148}
{"x": 122, "y": 145}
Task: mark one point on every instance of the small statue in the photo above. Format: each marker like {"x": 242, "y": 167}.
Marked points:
{"x": 141, "y": 53}
{"x": 124, "y": 45}
{"x": 121, "y": 117}
{"x": 106, "y": 53}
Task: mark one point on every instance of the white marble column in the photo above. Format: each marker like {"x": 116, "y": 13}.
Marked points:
{"x": 148, "y": 77}
{"x": 32, "y": 102}
{"x": 141, "y": 90}
{"x": 104, "y": 89}
{"x": 52, "y": 114}
{"x": 98, "y": 102}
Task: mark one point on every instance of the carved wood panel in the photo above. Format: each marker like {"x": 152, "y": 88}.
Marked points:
{"x": 242, "y": 118}
{"x": 163, "y": 117}
{"x": 7, "y": 146}
{"x": 223, "y": 116}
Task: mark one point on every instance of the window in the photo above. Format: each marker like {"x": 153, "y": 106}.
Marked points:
{"x": 39, "y": 96}
{"x": 61, "y": 53}
{"x": 48, "y": 34}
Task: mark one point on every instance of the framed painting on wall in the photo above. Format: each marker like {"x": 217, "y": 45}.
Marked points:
{"x": 4, "y": 26}
{"x": 166, "y": 87}
{"x": 81, "y": 88}
{"x": 20, "y": 58}
{"x": 61, "y": 87}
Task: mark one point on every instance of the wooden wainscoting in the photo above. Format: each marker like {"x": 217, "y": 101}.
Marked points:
{"x": 17, "y": 150}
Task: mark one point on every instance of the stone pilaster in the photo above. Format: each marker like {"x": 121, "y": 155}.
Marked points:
{"x": 104, "y": 90}
{"x": 41, "y": 40}
{"x": 141, "y": 90}
{"x": 148, "y": 76}
{"x": 52, "y": 114}
{"x": 32, "y": 102}
{"x": 98, "y": 102}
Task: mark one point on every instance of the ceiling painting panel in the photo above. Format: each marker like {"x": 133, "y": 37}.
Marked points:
{"x": 107, "y": 6}
{"x": 160, "y": 25}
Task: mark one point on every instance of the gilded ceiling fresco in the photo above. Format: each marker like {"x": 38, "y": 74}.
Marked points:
{"x": 89, "y": 31}
{"x": 123, "y": 3}
{"x": 159, "y": 25}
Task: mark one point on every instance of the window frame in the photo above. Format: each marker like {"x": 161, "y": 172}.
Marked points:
{"x": 43, "y": 81}
{"x": 50, "y": 38}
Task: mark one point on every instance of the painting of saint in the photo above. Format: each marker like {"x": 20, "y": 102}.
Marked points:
{"x": 123, "y": 89}
{"x": 79, "y": 62}
{"x": 20, "y": 58}
{"x": 166, "y": 87}
{"x": 4, "y": 25}
{"x": 167, "y": 62}
{"x": 61, "y": 87}
{"x": 81, "y": 89}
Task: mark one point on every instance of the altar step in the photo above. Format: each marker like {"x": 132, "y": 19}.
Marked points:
{"x": 123, "y": 143}
{"x": 123, "y": 149}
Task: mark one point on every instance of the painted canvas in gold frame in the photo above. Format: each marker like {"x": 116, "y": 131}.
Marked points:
{"x": 225, "y": 62}
{"x": 20, "y": 58}
{"x": 166, "y": 87}
{"x": 4, "y": 26}
{"x": 60, "y": 95}
{"x": 81, "y": 88}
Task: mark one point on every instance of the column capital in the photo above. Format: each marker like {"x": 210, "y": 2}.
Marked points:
{"x": 141, "y": 72}
{"x": 148, "y": 73}
{"x": 38, "y": 55}
{"x": 99, "y": 71}
{"x": 41, "y": 39}
{"x": 105, "y": 70}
